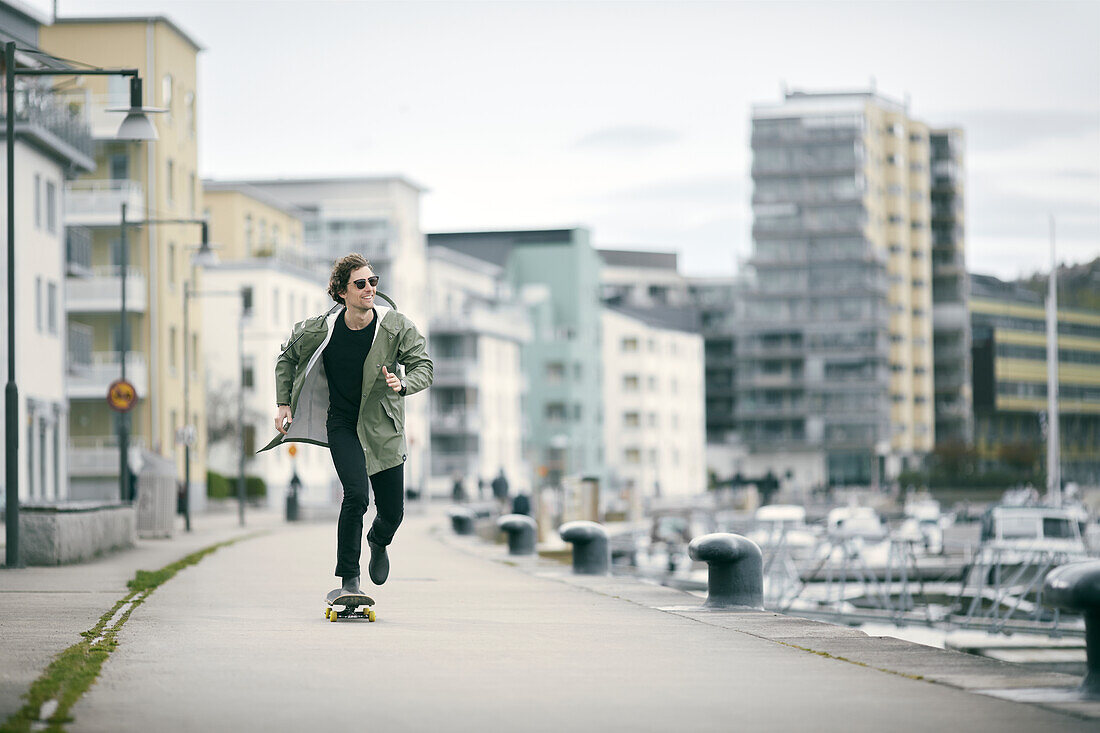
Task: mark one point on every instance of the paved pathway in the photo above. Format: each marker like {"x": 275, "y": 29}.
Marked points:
{"x": 462, "y": 643}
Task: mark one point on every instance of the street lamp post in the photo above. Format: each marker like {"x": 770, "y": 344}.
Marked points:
{"x": 136, "y": 126}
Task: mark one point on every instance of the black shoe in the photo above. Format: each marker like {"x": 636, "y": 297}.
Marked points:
{"x": 351, "y": 585}
{"x": 379, "y": 567}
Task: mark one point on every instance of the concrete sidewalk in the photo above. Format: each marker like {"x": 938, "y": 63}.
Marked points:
{"x": 43, "y": 610}
{"x": 467, "y": 642}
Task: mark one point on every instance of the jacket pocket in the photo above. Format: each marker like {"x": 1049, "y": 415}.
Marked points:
{"x": 391, "y": 412}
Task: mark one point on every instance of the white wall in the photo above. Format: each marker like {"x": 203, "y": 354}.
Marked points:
{"x": 663, "y": 449}
{"x": 41, "y": 359}
{"x": 280, "y": 298}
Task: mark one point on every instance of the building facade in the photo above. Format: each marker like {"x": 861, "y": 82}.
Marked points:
{"x": 653, "y": 396}
{"x": 1010, "y": 381}
{"x": 479, "y": 327}
{"x": 954, "y": 407}
{"x": 835, "y": 368}
{"x": 156, "y": 180}
{"x": 562, "y": 361}
{"x": 49, "y": 147}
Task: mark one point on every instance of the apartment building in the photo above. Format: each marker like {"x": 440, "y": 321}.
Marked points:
{"x": 562, "y": 365}
{"x": 654, "y": 427}
{"x": 156, "y": 180}
{"x": 49, "y": 147}
{"x": 1010, "y": 379}
{"x": 954, "y": 407}
{"x": 835, "y": 368}
{"x": 479, "y": 327}
{"x": 379, "y": 217}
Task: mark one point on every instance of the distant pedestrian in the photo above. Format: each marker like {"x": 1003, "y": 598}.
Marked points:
{"x": 458, "y": 493}
{"x": 337, "y": 372}
{"x": 500, "y": 486}
{"x": 521, "y": 504}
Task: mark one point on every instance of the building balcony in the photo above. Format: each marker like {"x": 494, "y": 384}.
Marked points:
{"x": 505, "y": 323}
{"x": 98, "y": 203}
{"x": 81, "y": 337}
{"x": 102, "y": 292}
{"x": 445, "y": 463}
{"x": 92, "y": 381}
{"x": 459, "y": 420}
{"x": 41, "y": 116}
{"x": 762, "y": 411}
{"x": 78, "y": 252}
{"x": 456, "y": 372}
{"x": 97, "y": 456}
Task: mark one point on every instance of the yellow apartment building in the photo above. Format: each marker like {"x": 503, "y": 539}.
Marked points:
{"x": 156, "y": 180}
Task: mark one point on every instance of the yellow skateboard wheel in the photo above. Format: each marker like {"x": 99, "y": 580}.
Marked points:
{"x": 370, "y": 615}
{"x": 332, "y": 615}
{"x": 327, "y": 612}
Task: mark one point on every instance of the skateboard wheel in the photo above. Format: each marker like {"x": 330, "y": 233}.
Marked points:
{"x": 332, "y": 616}
{"x": 370, "y": 615}
{"x": 327, "y": 612}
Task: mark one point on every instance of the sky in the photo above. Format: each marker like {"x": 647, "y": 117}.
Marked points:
{"x": 633, "y": 118}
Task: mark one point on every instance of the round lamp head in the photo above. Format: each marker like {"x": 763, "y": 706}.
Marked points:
{"x": 136, "y": 126}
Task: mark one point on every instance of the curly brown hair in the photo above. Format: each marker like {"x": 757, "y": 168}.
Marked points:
{"x": 341, "y": 271}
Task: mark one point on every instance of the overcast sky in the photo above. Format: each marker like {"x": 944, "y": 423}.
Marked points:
{"x": 633, "y": 118}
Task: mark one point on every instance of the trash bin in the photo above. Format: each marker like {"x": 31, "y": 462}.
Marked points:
{"x": 156, "y": 496}
{"x": 292, "y": 498}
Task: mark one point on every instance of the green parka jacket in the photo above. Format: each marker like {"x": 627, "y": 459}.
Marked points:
{"x": 300, "y": 381}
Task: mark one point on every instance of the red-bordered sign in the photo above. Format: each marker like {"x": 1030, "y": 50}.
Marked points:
{"x": 121, "y": 396}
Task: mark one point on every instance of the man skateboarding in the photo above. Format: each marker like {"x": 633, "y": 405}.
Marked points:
{"x": 337, "y": 385}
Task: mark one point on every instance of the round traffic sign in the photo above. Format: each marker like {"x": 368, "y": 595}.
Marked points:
{"x": 292, "y": 450}
{"x": 121, "y": 396}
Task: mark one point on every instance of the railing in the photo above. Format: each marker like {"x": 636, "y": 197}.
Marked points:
{"x": 99, "y": 202}
{"x": 80, "y": 347}
{"x": 41, "y": 107}
{"x": 102, "y": 292}
{"x": 459, "y": 420}
{"x": 93, "y": 381}
{"x": 78, "y": 251}
{"x": 97, "y": 455}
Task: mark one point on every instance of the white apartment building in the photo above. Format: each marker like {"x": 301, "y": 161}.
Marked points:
{"x": 48, "y": 147}
{"x": 653, "y": 408}
{"x": 478, "y": 328}
{"x": 277, "y": 294}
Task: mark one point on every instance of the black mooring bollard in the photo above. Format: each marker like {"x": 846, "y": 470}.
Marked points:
{"x": 1076, "y": 587}
{"x": 591, "y": 549}
{"x": 521, "y": 533}
{"x": 462, "y": 520}
{"x": 735, "y": 574}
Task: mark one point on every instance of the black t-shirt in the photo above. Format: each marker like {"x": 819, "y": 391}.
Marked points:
{"x": 344, "y": 356}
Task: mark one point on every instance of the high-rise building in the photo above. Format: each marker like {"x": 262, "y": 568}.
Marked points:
{"x": 835, "y": 366}
{"x": 1010, "y": 381}
{"x": 156, "y": 180}
{"x": 950, "y": 289}
{"x": 562, "y": 361}
{"x": 50, "y": 146}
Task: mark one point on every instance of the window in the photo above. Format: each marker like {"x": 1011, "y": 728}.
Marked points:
{"x": 248, "y": 373}
{"x": 192, "y": 187}
{"x": 632, "y": 455}
{"x": 120, "y": 166}
{"x": 555, "y": 412}
{"x": 248, "y": 233}
{"x": 118, "y": 91}
{"x": 246, "y": 299}
{"x": 51, "y": 306}
{"x": 37, "y": 201}
{"x": 171, "y": 265}
{"x": 171, "y": 181}
{"x": 189, "y": 111}
{"x": 51, "y": 207}
{"x": 631, "y": 420}
{"x": 629, "y": 344}
{"x": 38, "y": 304}
{"x": 172, "y": 349}
{"x": 630, "y": 383}
{"x": 166, "y": 94}
{"x": 555, "y": 372}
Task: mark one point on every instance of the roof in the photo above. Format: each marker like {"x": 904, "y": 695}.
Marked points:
{"x": 496, "y": 246}
{"x": 251, "y": 191}
{"x": 90, "y": 19}
{"x": 988, "y": 286}
{"x": 311, "y": 180}
{"x": 638, "y": 258}
{"x": 666, "y": 317}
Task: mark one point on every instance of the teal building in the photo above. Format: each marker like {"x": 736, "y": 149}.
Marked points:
{"x": 557, "y": 274}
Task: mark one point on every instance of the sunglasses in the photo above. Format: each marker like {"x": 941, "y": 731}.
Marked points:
{"x": 362, "y": 282}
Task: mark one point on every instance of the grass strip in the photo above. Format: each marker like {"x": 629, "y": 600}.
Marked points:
{"x": 73, "y": 671}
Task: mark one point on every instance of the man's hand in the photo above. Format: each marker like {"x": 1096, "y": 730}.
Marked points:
{"x": 281, "y": 417}
{"x": 391, "y": 379}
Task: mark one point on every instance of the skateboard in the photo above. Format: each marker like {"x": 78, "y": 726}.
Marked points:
{"x": 351, "y": 603}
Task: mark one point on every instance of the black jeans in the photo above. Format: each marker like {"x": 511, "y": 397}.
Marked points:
{"x": 389, "y": 494}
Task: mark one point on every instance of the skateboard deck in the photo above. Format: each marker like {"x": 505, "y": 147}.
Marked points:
{"x": 355, "y": 605}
